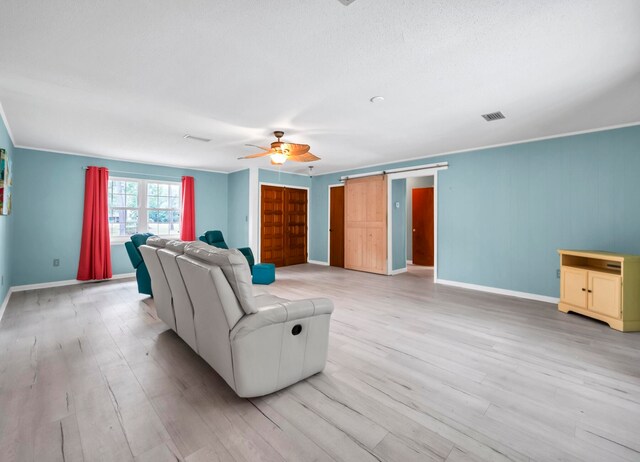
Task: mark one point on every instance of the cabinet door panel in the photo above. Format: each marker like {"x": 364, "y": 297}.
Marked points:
{"x": 604, "y": 297}
{"x": 573, "y": 286}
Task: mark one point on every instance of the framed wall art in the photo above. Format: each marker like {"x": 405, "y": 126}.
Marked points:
{"x": 5, "y": 183}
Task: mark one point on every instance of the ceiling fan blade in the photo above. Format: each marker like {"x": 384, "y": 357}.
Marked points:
{"x": 295, "y": 149}
{"x": 253, "y": 156}
{"x": 306, "y": 157}
{"x": 256, "y": 146}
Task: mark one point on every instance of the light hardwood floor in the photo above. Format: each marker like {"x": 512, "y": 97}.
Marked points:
{"x": 416, "y": 372}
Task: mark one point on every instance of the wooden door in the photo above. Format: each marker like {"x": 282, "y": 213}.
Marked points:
{"x": 295, "y": 234}
{"x": 605, "y": 293}
{"x": 283, "y": 225}
{"x": 272, "y": 225}
{"x": 336, "y": 226}
{"x": 423, "y": 226}
{"x": 365, "y": 202}
{"x": 573, "y": 286}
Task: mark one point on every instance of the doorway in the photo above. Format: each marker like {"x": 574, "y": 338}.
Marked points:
{"x": 422, "y": 226}
{"x": 336, "y": 226}
{"x": 283, "y": 225}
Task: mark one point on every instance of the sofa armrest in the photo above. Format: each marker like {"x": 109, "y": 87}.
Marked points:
{"x": 281, "y": 313}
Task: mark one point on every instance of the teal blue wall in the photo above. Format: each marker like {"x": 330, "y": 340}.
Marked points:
{"x": 48, "y": 206}
{"x": 504, "y": 211}
{"x": 6, "y": 243}
{"x": 238, "y": 213}
{"x": 399, "y": 223}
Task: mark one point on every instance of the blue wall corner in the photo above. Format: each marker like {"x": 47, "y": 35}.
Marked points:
{"x": 399, "y": 223}
{"x": 6, "y": 223}
{"x": 238, "y": 210}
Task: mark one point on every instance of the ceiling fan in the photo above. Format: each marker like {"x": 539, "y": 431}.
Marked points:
{"x": 280, "y": 151}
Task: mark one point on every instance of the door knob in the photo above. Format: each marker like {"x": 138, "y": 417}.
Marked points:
{"x": 414, "y": 230}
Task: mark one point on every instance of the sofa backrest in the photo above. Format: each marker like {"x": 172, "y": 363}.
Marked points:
{"x": 216, "y": 311}
{"x": 159, "y": 284}
{"x": 182, "y": 306}
{"x": 235, "y": 269}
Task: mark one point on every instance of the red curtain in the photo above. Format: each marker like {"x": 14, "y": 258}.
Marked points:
{"x": 95, "y": 250}
{"x": 188, "y": 215}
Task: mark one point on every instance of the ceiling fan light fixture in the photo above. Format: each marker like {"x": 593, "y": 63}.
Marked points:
{"x": 278, "y": 158}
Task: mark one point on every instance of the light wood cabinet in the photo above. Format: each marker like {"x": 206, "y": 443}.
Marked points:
{"x": 602, "y": 285}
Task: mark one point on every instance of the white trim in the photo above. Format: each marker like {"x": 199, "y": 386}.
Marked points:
{"x": 120, "y": 159}
{"x": 5, "y": 302}
{"x": 318, "y": 262}
{"x": 254, "y": 212}
{"x": 410, "y": 262}
{"x": 6, "y": 124}
{"x": 284, "y": 171}
{"x": 239, "y": 170}
{"x": 495, "y": 290}
{"x": 335, "y": 185}
{"x": 398, "y": 271}
{"x": 480, "y": 148}
{"x": 403, "y": 172}
{"x": 430, "y": 171}
{"x": 69, "y": 282}
{"x": 283, "y": 185}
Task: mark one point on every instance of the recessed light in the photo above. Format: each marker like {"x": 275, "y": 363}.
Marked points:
{"x": 377, "y": 99}
{"x": 196, "y": 138}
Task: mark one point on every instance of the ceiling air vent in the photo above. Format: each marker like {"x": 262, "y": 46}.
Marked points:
{"x": 493, "y": 116}
{"x": 346, "y": 2}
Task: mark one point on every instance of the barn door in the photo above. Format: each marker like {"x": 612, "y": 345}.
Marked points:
{"x": 366, "y": 224}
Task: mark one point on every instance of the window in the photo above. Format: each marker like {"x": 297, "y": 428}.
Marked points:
{"x": 143, "y": 206}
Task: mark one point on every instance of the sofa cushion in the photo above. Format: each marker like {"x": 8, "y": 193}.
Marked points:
{"x": 157, "y": 241}
{"x": 235, "y": 268}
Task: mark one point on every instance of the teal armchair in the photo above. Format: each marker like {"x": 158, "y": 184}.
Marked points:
{"x": 142, "y": 274}
{"x": 216, "y": 239}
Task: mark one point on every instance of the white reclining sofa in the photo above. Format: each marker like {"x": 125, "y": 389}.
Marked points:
{"x": 257, "y": 342}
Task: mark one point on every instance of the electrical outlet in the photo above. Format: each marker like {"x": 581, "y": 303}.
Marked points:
{"x": 56, "y": 262}
{"x": 558, "y": 274}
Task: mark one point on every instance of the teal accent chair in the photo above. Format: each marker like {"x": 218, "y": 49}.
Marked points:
{"x": 142, "y": 273}
{"x": 216, "y": 239}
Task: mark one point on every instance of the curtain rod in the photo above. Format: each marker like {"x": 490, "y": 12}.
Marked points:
{"x": 397, "y": 170}
{"x": 121, "y": 172}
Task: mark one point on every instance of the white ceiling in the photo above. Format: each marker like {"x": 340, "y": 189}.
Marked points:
{"x": 127, "y": 79}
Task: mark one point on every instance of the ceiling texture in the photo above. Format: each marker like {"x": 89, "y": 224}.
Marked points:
{"x": 128, "y": 79}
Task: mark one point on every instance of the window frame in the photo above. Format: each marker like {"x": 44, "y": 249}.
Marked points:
{"x": 143, "y": 208}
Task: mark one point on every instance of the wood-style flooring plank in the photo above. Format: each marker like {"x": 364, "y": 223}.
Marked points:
{"x": 415, "y": 371}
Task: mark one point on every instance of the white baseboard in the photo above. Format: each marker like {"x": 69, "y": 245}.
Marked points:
{"x": 398, "y": 271}
{"x": 409, "y": 262}
{"x": 69, "y": 282}
{"x": 318, "y": 262}
{"x": 5, "y": 302}
{"x": 495, "y": 290}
